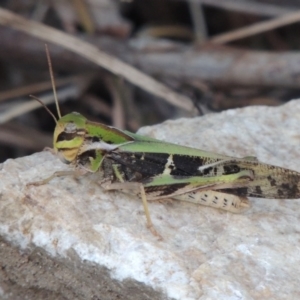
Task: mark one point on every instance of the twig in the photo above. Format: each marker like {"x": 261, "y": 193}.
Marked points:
{"x": 256, "y": 28}
{"x": 90, "y": 52}
{"x": 215, "y": 65}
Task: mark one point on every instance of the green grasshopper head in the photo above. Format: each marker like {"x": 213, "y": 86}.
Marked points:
{"x": 73, "y": 130}
{"x": 69, "y": 135}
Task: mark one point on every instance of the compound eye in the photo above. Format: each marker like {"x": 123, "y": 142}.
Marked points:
{"x": 70, "y": 128}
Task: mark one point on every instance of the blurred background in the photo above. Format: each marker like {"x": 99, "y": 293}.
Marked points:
{"x": 218, "y": 55}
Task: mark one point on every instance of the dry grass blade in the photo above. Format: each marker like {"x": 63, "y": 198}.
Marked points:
{"x": 84, "y": 15}
{"x": 24, "y": 137}
{"x": 35, "y": 88}
{"x": 28, "y": 106}
{"x": 114, "y": 86}
{"x": 93, "y": 54}
{"x": 97, "y": 104}
{"x": 256, "y": 28}
{"x": 249, "y": 7}
{"x": 199, "y": 23}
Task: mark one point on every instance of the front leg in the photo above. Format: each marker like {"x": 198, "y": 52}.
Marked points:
{"x": 75, "y": 172}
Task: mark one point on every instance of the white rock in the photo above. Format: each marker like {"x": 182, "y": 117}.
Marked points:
{"x": 205, "y": 254}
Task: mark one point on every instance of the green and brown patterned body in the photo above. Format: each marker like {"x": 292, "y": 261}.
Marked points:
{"x": 170, "y": 171}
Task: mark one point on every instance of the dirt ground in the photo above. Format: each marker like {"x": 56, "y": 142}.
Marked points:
{"x": 33, "y": 274}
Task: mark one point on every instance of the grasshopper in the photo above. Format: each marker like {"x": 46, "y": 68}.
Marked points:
{"x": 157, "y": 170}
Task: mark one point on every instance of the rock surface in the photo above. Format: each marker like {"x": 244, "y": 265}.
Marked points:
{"x": 69, "y": 239}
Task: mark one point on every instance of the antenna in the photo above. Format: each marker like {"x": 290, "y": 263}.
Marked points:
{"x": 52, "y": 81}
{"x": 43, "y": 104}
